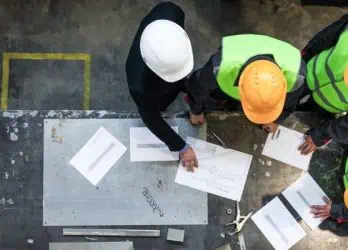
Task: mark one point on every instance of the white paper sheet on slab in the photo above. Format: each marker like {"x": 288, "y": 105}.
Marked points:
{"x": 278, "y": 225}
{"x": 285, "y": 148}
{"x": 98, "y": 155}
{"x": 145, "y": 146}
{"x": 205, "y": 149}
{"x": 304, "y": 193}
{"x": 222, "y": 172}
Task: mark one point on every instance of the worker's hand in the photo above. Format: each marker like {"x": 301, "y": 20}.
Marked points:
{"x": 197, "y": 119}
{"x": 270, "y": 127}
{"x": 308, "y": 146}
{"x": 189, "y": 160}
{"x": 322, "y": 211}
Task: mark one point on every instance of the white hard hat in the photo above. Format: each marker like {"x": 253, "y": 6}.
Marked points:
{"x": 166, "y": 50}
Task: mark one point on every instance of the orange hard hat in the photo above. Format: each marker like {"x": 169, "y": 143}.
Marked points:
{"x": 346, "y": 75}
{"x": 262, "y": 89}
{"x": 345, "y": 197}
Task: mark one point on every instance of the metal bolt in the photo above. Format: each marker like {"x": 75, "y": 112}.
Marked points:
{"x": 229, "y": 211}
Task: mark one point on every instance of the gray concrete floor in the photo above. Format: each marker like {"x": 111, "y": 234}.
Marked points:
{"x": 105, "y": 29}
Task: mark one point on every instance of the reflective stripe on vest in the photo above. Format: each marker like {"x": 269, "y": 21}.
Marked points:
{"x": 238, "y": 49}
{"x": 317, "y": 87}
{"x": 331, "y": 76}
{"x": 325, "y": 77}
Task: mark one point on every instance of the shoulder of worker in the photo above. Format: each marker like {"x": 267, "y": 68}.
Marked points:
{"x": 168, "y": 11}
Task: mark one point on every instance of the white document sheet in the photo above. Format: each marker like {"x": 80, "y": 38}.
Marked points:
{"x": 205, "y": 149}
{"x": 285, "y": 148}
{"x": 98, "y": 155}
{"x": 145, "y": 146}
{"x": 304, "y": 193}
{"x": 222, "y": 172}
{"x": 278, "y": 225}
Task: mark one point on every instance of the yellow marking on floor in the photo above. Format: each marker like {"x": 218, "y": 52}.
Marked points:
{"x": 46, "y": 56}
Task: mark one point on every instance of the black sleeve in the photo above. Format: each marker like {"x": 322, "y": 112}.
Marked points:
{"x": 201, "y": 83}
{"x": 153, "y": 119}
{"x": 336, "y": 129}
{"x": 339, "y": 212}
{"x": 324, "y": 39}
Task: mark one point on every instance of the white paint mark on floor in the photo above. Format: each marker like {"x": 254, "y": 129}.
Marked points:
{"x": 15, "y": 130}
{"x": 267, "y": 174}
{"x": 255, "y": 147}
{"x": 7, "y": 129}
{"x": 25, "y": 125}
{"x": 30, "y": 241}
{"x": 102, "y": 113}
{"x": 51, "y": 113}
{"x": 13, "y": 114}
{"x": 10, "y": 201}
{"x": 13, "y": 162}
{"x": 34, "y": 113}
{"x": 2, "y": 201}
{"x": 6, "y": 175}
{"x": 39, "y": 124}
{"x": 269, "y": 163}
{"x": 13, "y": 137}
{"x": 21, "y": 153}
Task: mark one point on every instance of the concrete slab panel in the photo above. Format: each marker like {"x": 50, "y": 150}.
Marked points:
{"x": 92, "y": 246}
{"x": 132, "y": 193}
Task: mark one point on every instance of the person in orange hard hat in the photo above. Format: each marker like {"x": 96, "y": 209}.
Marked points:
{"x": 259, "y": 74}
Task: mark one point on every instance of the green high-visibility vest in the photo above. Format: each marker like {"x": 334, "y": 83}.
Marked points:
{"x": 237, "y": 50}
{"x": 325, "y": 76}
{"x": 345, "y": 176}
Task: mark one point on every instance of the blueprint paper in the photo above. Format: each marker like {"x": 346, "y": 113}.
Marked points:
{"x": 145, "y": 146}
{"x": 278, "y": 225}
{"x": 285, "y": 148}
{"x": 304, "y": 193}
{"x": 98, "y": 155}
{"x": 222, "y": 172}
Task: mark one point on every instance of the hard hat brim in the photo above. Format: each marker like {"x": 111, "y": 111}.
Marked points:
{"x": 264, "y": 117}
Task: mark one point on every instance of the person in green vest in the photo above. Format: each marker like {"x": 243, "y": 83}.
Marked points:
{"x": 259, "y": 74}
{"x": 326, "y": 92}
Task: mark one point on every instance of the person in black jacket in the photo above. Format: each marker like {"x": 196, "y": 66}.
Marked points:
{"x": 331, "y": 129}
{"x": 321, "y": 49}
{"x": 159, "y": 60}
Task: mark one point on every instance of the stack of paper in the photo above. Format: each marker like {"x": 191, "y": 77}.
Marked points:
{"x": 278, "y": 225}
{"x": 98, "y": 155}
{"x": 145, "y": 146}
{"x": 284, "y": 148}
{"x": 222, "y": 172}
{"x": 304, "y": 193}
